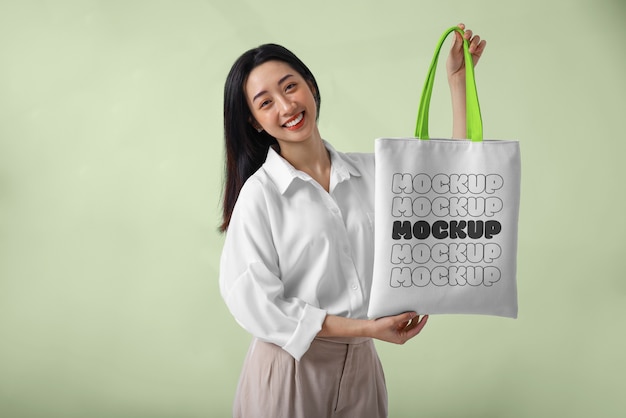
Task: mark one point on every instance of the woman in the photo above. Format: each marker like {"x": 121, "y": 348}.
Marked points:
{"x": 296, "y": 267}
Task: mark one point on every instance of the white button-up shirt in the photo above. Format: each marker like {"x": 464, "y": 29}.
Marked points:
{"x": 294, "y": 252}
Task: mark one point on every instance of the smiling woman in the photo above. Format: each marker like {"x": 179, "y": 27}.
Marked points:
{"x": 296, "y": 268}
{"x": 246, "y": 141}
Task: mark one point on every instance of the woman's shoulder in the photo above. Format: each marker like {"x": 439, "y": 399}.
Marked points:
{"x": 360, "y": 158}
{"x": 355, "y": 159}
{"x": 255, "y": 190}
{"x": 362, "y": 162}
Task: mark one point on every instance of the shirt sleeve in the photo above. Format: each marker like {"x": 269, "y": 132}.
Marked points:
{"x": 250, "y": 281}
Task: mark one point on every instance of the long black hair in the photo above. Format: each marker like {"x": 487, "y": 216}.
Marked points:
{"x": 246, "y": 148}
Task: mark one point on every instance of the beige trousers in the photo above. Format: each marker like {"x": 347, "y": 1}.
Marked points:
{"x": 336, "y": 377}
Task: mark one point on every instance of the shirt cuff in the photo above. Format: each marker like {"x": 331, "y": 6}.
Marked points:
{"x": 308, "y": 327}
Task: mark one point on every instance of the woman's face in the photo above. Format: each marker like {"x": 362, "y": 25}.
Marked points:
{"x": 281, "y": 102}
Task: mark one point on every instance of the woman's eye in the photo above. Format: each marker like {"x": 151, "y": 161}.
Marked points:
{"x": 265, "y": 103}
{"x": 290, "y": 86}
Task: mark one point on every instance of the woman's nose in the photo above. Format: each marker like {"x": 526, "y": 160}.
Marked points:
{"x": 287, "y": 106}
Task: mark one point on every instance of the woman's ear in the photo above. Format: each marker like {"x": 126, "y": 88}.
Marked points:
{"x": 255, "y": 125}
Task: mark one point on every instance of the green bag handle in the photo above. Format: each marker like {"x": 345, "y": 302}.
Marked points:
{"x": 474, "y": 121}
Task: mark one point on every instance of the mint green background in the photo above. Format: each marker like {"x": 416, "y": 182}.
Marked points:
{"x": 110, "y": 177}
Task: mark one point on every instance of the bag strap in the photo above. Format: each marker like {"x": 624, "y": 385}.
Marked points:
{"x": 474, "y": 122}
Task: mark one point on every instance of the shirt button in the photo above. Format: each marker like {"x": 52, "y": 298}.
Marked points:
{"x": 355, "y": 286}
{"x": 335, "y": 210}
{"x": 346, "y": 249}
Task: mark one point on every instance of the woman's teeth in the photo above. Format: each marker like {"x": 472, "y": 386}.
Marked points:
{"x": 294, "y": 122}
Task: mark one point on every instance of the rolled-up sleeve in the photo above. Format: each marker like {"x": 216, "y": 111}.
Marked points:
{"x": 250, "y": 281}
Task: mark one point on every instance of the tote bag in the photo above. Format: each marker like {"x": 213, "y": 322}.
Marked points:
{"x": 446, "y": 217}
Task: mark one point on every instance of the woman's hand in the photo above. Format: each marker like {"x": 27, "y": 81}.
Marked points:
{"x": 456, "y": 60}
{"x": 456, "y": 77}
{"x": 397, "y": 329}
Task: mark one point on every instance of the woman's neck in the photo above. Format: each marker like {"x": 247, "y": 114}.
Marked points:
{"x": 310, "y": 157}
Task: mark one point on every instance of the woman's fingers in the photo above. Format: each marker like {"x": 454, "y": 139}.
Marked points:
{"x": 414, "y": 327}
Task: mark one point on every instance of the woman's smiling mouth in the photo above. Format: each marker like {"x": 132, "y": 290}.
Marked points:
{"x": 295, "y": 122}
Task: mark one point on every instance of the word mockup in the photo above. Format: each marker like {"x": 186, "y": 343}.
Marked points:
{"x": 445, "y": 229}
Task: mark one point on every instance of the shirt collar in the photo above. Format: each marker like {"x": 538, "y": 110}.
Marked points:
{"x": 283, "y": 173}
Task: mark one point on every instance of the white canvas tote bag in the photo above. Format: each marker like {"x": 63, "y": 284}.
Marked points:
{"x": 446, "y": 218}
